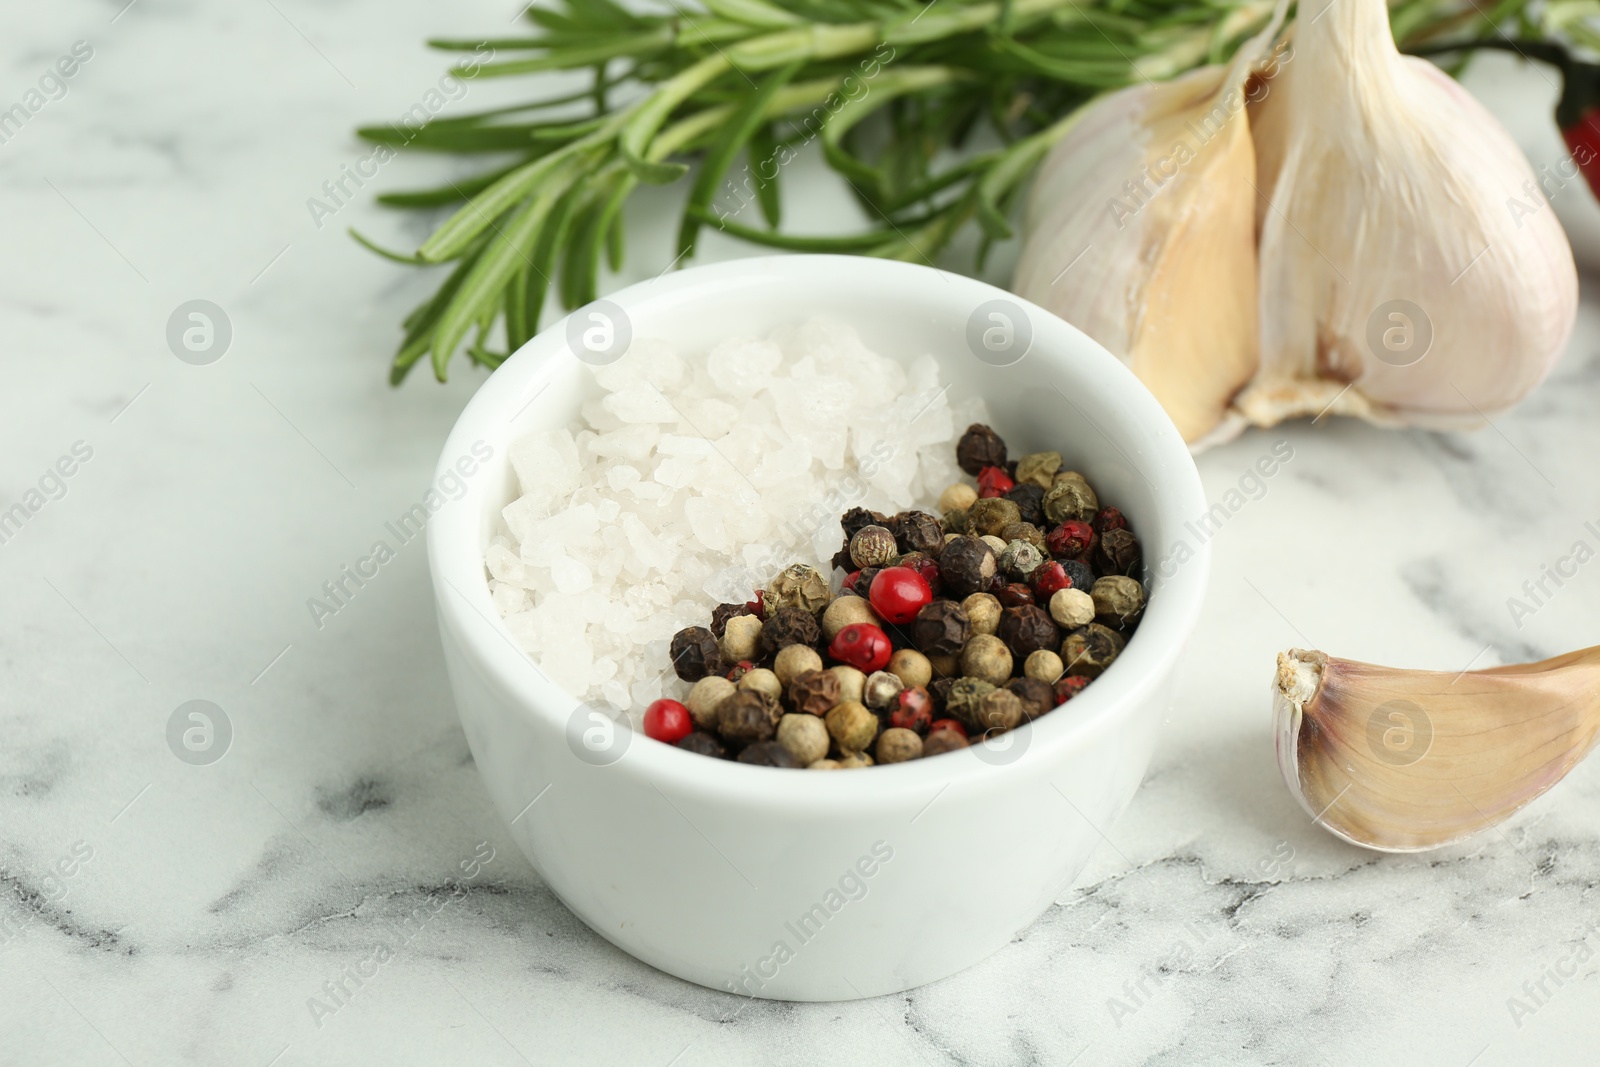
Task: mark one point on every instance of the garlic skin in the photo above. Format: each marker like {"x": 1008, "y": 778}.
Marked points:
{"x": 1383, "y": 180}
{"x": 1140, "y": 232}
{"x": 1404, "y": 761}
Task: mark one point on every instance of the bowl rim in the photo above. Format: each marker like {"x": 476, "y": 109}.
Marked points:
{"x": 461, "y": 592}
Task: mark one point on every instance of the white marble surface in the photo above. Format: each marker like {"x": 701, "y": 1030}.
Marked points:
{"x": 218, "y": 899}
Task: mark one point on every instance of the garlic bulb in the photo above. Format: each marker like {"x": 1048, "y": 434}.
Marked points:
{"x": 1343, "y": 244}
{"x": 1397, "y": 283}
{"x": 1402, "y": 761}
{"x": 1141, "y": 234}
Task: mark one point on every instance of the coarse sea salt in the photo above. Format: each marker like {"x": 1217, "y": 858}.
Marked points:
{"x": 692, "y": 480}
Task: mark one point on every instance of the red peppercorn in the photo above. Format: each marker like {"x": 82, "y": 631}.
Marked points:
{"x": 739, "y": 670}
{"x": 994, "y": 481}
{"x": 757, "y": 606}
{"x": 1014, "y": 595}
{"x": 667, "y": 720}
{"x": 1048, "y": 580}
{"x": 851, "y": 579}
{"x": 912, "y": 709}
{"x": 898, "y": 593}
{"x": 947, "y": 724}
{"x": 1068, "y": 687}
{"x": 1070, "y": 540}
{"x": 862, "y": 646}
{"x": 1109, "y": 519}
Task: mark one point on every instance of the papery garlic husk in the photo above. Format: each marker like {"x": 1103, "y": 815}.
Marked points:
{"x": 1394, "y": 206}
{"x": 1140, "y": 232}
{"x": 1402, "y": 761}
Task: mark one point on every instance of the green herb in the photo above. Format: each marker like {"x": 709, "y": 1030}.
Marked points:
{"x": 932, "y": 113}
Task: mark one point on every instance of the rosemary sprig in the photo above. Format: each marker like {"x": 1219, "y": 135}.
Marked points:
{"x": 894, "y": 93}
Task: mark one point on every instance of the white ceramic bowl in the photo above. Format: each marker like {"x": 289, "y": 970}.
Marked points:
{"x": 823, "y": 886}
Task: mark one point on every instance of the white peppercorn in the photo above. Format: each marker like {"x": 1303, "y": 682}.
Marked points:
{"x": 1043, "y": 665}
{"x": 852, "y": 683}
{"x": 852, "y": 726}
{"x": 703, "y": 698}
{"x": 995, "y": 544}
{"x": 762, "y": 681}
{"x": 881, "y": 689}
{"x": 846, "y": 611}
{"x": 898, "y": 745}
{"x": 823, "y": 765}
{"x": 804, "y": 736}
{"x": 793, "y": 661}
{"x": 911, "y": 667}
{"x": 957, "y": 497}
{"x": 851, "y": 760}
{"x": 983, "y": 613}
{"x": 1072, "y": 608}
{"x": 1118, "y": 601}
{"x": 741, "y": 638}
{"x": 986, "y": 657}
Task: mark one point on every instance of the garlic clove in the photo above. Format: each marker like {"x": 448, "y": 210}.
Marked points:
{"x": 1402, "y": 761}
{"x": 1141, "y": 233}
{"x": 1410, "y": 270}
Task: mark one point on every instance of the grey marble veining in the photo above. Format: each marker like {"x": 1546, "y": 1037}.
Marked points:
{"x": 154, "y": 912}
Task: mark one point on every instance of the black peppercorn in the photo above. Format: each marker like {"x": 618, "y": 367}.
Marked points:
{"x": 790, "y": 626}
{"x": 841, "y": 560}
{"x": 1080, "y": 573}
{"x": 917, "y": 531}
{"x": 978, "y": 448}
{"x": 939, "y": 693}
{"x": 814, "y": 692}
{"x": 1037, "y": 697}
{"x": 1089, "y": 650}
{"x": 1027, "y": 629}
{"x": 967, "y": 565}
{"x": 695, "y": 654}
{"x": 855, "y": 519}
{"x": 722, "y": 613}
{"x": 1119, "y": 553}
{"x": 941, "y": 628}
{"x": 768, "y": 754}
{"x": 703, "y": 744}
{"x": 1029, "y": 499}
{"x": 747, "y": 716}
{"x": 863, "y": 584}
{"x": 1014, "y": 594}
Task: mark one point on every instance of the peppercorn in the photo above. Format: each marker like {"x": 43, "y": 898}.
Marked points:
{"x": 721, "y": 614}
{"x": 789, "y": 626}
{"x": 703, "y": 698}
{"x": 794, "y": 660}
{"x": 945, "y": 666}
{"x": 823, "y": 765}
{"x": 1072, "y": 608}
{"x": 967, "y": 564}
{"x": 1037, "y": 697}
{"x": 924, "y": 565}
{"x": 1020, "y": 560}
{"x": 814, "y": 692}
{"x": 1027, "y": 629}
{"x": 1072, "y": 540}
{"x": 1070, "y": 498}
{"x": 768, "y": 754}
{"x": 737, "y": 672}
{"x": 695, "y": 654}
{"x": 965, "y": 696}
{"x": 953, "y": 725}
{"x": 741, "y": 638}
{"x": 1049, "y": 580}
{"x": 911, "y": 667}
{"x": 1118, "y": 602}
{"x": 898, "y": 745}
{"x": 996, "y": 545}
{"x": 1067, "y": 688}
{"x": 873, "y": 546}
{"x": 917, "y": 531}
{"x": 844, "y": 611}
{"x": 746, "y": 717}
{"x": 667, "y": 720}
{"x": 1090, "y": 649}
{"x": 1038, "y": 468}
{"x": 1029, "y": 500}
{"x": 1014, "y": 595}
{"x": 1108, "y": 519}
{"x": 852, "y": 683}
{"x": 852, "y": 521}
{"x": 1026, "y": 531}
{"x": 1043, "y": 665}
{"x": 863, "y": 583}
{"x": 957, "y": 497}
{"x": 881, "y": 689}
{"x": 987, "y": 657}
{"x": 994, "y": 481}
{"x": 912, "y": 709}
{"x": 804, "y": 736}
{"x": 939, "y": 693}
{"x": 863, "y": 646}
{"x": 999, "y": 711}
{"x": 762, "y": 681}
{"x": 798, "y": 586}
{"x": 898, "y": 593}
{"x": 1119, "y": 553}
{"x": 703, "y": 744}
{"x": 851, "y": 760}
{"x": 851, "y": 726}
{"x": 941, "y": 628}
{"x": 983, "y": 612}
{"x": 990, "y": 515}
{"x": 942, "y": 741}
{"x": 955, "y": 522}
{"x": 978, "y": 448}
{"x": 1080, "y": 573}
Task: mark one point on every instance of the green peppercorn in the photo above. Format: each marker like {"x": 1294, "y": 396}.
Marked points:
{"x": 1118, "y": 602}
{"x": 988, "y": 658}
{"x": 955, "y": 521}
{"x": 992, "y": 514}
{"x": 898, "y": 745}
{"x": 851, "y": 726}
{"x": 747, "y": 716}
{"x": 963, "y": 699}
{"x": 1089, "y": 650}
{"x": 1038, "y": 468}
{"x": 1026, "y": 531}
{"x": 999, "y": 711}
{"x": 797, "y": 586}
{"x": 873, "y": 546}
{"x": 1020, "y": 560}
{"x": 1070, "y": 498}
